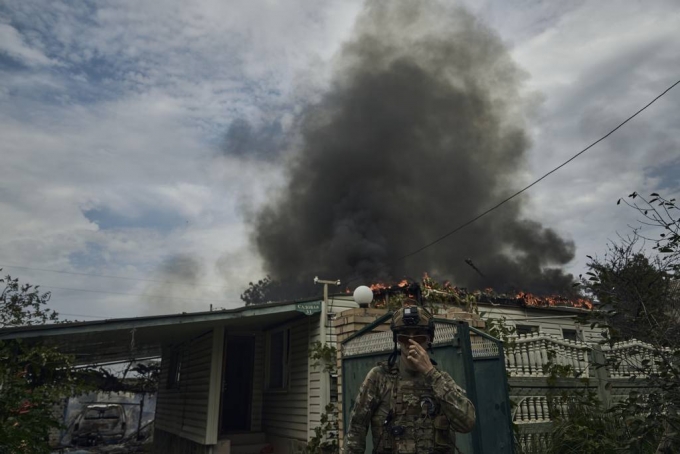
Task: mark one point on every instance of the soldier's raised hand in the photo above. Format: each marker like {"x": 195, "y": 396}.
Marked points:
{"x": 418, "y": 357}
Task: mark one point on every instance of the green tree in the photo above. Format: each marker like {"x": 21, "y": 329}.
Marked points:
{"x": 263, "y": 291}
{"x": 23, "y": 304}
{"x": 268, "y": 290}
{"x": 639, "y": 295}
{"x": 33, "y": 377}
{"x": 637, "y": 291}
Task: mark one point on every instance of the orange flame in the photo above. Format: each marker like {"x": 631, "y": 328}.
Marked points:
{"x": 553, "y": 301}
{"x": 382, "y": 286}
{"x": 526, "y": 298}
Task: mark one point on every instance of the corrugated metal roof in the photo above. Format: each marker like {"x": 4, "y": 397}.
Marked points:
{"x": 142, "y": 337}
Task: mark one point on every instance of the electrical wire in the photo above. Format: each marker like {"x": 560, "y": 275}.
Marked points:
{"x": 110, "y": 276}
{"x": 504, "y": 201}
{"x": 137, "y": 294}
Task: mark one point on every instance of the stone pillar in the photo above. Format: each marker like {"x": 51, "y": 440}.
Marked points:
{"x": 347, "y": 323}
{"x": 601, "y": 376}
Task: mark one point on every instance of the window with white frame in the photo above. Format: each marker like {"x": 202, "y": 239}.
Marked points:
{"x": 278, "y": 359}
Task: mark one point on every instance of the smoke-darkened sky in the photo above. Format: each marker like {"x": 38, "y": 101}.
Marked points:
{"x": 141, "y": 140}
{"x": 418, "y": 133}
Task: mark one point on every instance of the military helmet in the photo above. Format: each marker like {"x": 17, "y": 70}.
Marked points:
{"x": 412, "y": 317}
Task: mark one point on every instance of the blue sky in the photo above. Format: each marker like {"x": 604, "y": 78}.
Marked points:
{"x": 123, "y": 126}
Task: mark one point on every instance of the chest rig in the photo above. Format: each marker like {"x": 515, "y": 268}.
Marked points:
{"x": 415, "y": 423}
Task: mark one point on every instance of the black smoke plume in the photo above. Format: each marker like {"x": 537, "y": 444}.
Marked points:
{"x": 178, "y": 276}
{"x": 420, "y": 131}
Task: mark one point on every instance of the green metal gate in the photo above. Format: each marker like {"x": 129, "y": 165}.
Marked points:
{"x": 473, "y": 359}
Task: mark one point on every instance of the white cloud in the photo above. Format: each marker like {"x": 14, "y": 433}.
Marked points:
{"x": 13, "y": 44}
{"x": 596, "y": 65}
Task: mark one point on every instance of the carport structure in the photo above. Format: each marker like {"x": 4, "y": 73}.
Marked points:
{"x": 228, "y": 377}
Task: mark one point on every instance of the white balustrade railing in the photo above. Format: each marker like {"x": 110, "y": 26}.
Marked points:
{"x": 531, "y": 409}
{"x": 632, "y": 358}
{"x": 529, "y": 353}
{"x": 534, "y": 442}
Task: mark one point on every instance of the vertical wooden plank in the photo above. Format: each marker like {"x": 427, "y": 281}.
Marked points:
{"x": 214, "y": 390}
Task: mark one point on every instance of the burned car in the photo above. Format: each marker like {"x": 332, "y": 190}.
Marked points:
{"x": 99, "y": 424}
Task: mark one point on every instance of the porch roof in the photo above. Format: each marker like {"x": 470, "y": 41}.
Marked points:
{"x": 120, "y": 339}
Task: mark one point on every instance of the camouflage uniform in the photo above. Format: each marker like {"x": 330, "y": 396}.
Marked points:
{"x": 409, "y": 412}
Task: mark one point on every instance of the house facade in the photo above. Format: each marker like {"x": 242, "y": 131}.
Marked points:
{"x": 235, "y": 389}
{"x": 557, "y": 321}
{"x": 242, "y": 380}
{"x": 246, "y": 385}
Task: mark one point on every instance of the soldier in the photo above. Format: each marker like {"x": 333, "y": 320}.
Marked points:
{"x": 412, "y": 406}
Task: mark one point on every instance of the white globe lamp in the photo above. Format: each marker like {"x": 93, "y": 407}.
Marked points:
{"x": 363, "y": 296}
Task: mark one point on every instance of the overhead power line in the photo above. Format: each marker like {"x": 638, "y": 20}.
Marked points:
{"x": 504, "y": 201}
{"x": 111, "y": 277}
{"x": 139, "y": 294}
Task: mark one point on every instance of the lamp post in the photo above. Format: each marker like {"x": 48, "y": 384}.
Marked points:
{"x": 363, "y": 296}
{"x": 324, "y": 306}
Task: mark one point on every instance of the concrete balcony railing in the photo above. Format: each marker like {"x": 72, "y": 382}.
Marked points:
{"x": 528, "y": 354}
{"x": 531, "y": 409}
{"x": 631, "y": 359}
{"x": 607, "y": 368}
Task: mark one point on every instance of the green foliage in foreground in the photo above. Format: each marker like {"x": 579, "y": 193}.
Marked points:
{"x": 585, "y": 427}
{"x": 33, "y": 377}
{"x": 639, "y": 294}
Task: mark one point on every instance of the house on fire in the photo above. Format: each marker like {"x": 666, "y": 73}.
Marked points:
{"x": 239, "y": 380}
{"x": 529, "y": 316}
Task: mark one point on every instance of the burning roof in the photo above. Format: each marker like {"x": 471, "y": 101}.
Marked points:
{"x": 431, "y": 291}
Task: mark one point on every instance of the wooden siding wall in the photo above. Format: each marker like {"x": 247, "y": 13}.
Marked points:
{"x": 284, "y": 413}
{"x": 171, "y": 443}
{"x": 184, "y": 410}
{"x": 314, "y": 404}
{"x": 543, "y": 320}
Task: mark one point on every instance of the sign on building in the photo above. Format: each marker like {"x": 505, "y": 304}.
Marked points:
{"x": 308, "y": 308}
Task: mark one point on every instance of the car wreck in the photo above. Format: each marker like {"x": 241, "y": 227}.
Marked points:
{"x": 99, "y": 424}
